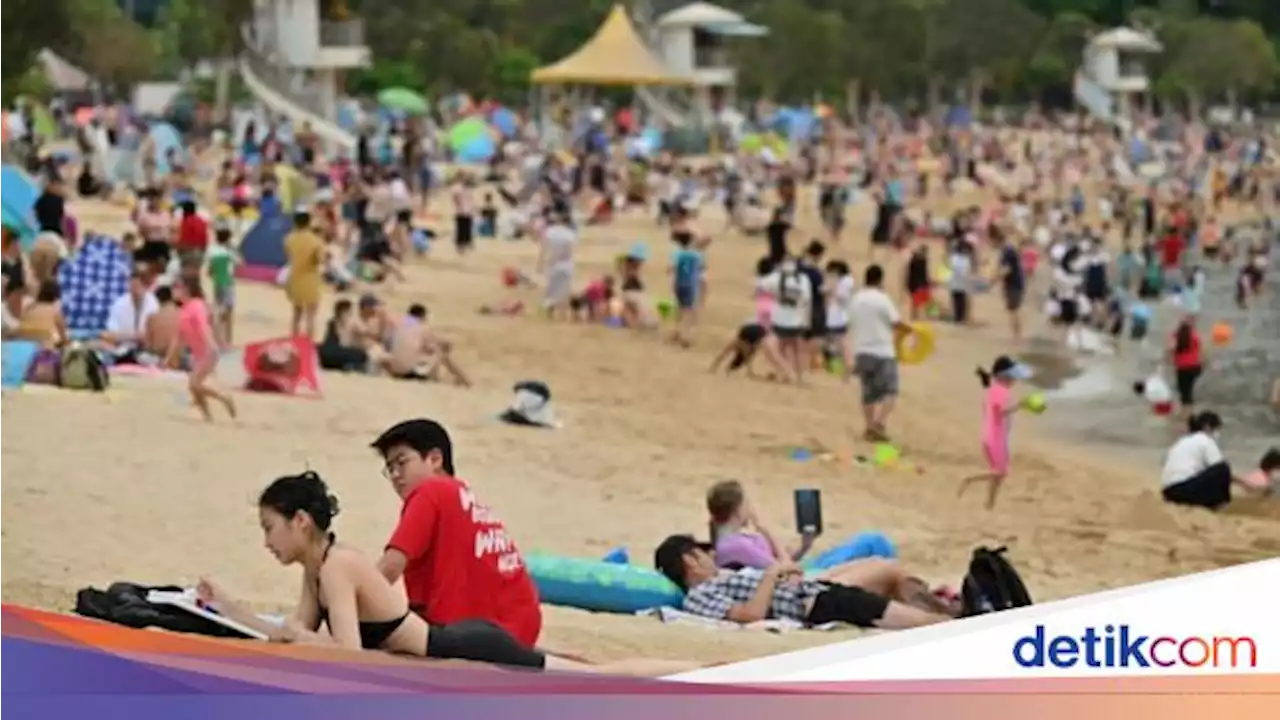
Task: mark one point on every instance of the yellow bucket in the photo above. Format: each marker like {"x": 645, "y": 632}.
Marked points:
{"x": 915, "y": 347}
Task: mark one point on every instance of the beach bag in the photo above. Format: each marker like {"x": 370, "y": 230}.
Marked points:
{"x": 45, "y": 367}
{"x": 125, "y": 603}
{"x": 992, "y": 584}
{"x": 82, "y": 369}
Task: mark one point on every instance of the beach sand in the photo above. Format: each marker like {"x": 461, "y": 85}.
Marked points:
{"x": 131, "y": 486}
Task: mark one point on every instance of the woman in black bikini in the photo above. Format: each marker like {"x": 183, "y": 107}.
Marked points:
{"x": 345, "y": 601}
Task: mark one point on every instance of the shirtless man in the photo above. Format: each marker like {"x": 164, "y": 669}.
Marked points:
{"x": 418, "y": 353}
{"x": 161, "y": 328}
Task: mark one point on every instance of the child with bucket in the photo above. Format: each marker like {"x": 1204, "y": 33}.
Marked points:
{"x": 998, "y": 407}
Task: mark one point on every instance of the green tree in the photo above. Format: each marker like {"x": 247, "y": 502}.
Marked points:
{"x": 27, "y": 27}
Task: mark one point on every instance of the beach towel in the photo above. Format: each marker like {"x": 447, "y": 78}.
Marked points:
{"x": 17, "y": 357}
{"x": 673, "y": 615}
{"x": 91, "y": 280}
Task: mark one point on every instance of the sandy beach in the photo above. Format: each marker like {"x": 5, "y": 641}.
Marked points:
{"x": 132, "y": 486}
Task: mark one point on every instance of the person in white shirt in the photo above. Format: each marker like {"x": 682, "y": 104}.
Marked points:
{"x": 1195, "y": 470}
{"x": 839, "y": 296}
{"x": 127, "y": 320}
{"x": 556, "y": 260}
{"x": 875, "y": 321}
{"x": 792, "y": 292}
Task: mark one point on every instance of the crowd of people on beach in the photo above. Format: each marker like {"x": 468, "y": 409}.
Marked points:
{"x": 1098, "y": 264}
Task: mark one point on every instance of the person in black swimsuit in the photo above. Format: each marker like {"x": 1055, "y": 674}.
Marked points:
{"x": 345, "y": 600}
{"x": 782, "y": 220}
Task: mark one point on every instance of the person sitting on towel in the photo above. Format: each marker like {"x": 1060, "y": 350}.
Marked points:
{"x": 127, "y": 321}
{"x": 778, "y": 592}
{"x": 1195, "y": 470}
{"x": 418, "y": 353}
{"x": 346, "y": 602}
{"x": 741, "y": 540}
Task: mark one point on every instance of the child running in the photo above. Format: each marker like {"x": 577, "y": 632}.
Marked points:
{"x": 196, "y": 336}
{"x": 997, "y": 407}
{"x": 222, "y": 261}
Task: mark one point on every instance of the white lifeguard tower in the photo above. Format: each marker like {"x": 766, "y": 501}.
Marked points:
{"x": 296, "y": 54}
{"x": 1113, "y": 72}
{"x": 693, "y": 41}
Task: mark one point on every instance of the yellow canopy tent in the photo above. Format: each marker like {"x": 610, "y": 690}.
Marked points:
{"x": 615, "y": 55}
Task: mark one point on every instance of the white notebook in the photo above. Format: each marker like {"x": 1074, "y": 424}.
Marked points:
{"x": 187, "y": 601}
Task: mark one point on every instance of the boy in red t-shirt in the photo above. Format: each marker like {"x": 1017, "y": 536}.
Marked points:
{"x": 454, "y": 554}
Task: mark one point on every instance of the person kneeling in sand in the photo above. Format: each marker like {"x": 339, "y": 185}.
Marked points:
{"x": 346, "y": 602}
{"x": 751, "y": 339}
{"x": 742, "y": 541}
{"x": 779, "y": 592}
{"x": 418, "y": 353}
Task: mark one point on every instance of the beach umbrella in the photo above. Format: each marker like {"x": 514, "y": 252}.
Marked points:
{"x": 19, "y": 192}
{"x": 477, "y": 150}
{"x": 166, "y": 138}
{"x": 403, "y": 99}
{"x": 504, "y": 121}
{"x": 467, "y": 132}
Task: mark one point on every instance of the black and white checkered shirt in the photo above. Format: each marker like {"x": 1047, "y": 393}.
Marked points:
{"x": 714, "y": 597}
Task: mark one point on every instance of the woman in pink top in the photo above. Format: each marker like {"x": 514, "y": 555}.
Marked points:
{"x": 196, "y": 336}
{"x": 998, "y": 405}
{"x": 741, "y": 541}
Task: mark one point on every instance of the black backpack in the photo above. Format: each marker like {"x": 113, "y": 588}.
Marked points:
{"x": 992, "y": 584}
{"x": 126, "y": 604}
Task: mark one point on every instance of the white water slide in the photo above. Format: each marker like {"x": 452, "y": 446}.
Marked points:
{"x": 1094, "y": 98}
{"x": 278, "y": 93}
{"x": 658, "y": 103}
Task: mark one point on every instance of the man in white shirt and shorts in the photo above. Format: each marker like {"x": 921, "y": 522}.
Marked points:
{"x": 874, "y": 322}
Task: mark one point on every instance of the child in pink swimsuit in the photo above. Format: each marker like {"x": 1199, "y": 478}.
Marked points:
{"x": 196, "y": 335}
{"x": 998, "y": 405}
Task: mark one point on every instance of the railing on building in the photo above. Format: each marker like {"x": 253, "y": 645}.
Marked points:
{"x": 711, "y": 57}
{"x": 342, "y": 33}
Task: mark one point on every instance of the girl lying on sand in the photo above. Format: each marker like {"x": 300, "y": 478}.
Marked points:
{"x": 343, "y": 591}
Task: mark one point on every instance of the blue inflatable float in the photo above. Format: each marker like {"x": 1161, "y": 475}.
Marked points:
{"x": 612, "y": 585}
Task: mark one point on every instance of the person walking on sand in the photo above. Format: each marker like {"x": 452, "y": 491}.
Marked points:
{"x": 875, "y": 321}
{"x": 998, "y": 405}
{"x": 196, "y": 337}
{"x": 305, "y": 252}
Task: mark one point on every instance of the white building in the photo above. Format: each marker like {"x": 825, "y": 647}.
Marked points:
{"x": 693, "y": 41}
{"x": 297, "y": 53}
{"x": 1114, "y": 68}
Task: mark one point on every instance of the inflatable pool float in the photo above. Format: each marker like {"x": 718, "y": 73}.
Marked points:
{"x": 915, "y": 347}
{"x": 607, "y": 585}
{"x": 600, "y": 586}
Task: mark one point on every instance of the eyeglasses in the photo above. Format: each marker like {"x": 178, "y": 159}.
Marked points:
{"x": 395, "y": 466}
